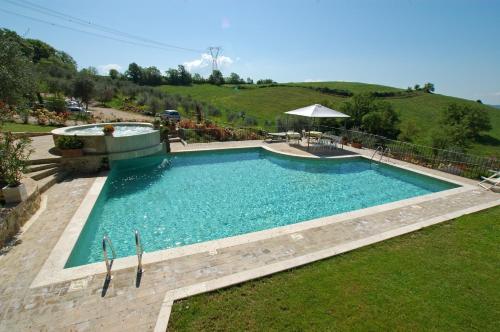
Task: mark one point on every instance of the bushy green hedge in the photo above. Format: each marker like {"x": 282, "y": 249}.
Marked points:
{"x": 69, "y": 142}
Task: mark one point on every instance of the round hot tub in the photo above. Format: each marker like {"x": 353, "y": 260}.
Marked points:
{"x": 129, "y": 139}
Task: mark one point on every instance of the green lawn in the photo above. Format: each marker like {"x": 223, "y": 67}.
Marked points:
{"x": 15, "y": 127}
{"x": 265, "y": 104}
{"x": 442, "y": 278}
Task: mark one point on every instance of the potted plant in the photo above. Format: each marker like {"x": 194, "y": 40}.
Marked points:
{"x": 357, "y": 143}
{"x": 344, "y": 140}
{"x": 108, "y": 130}
{"x": 70, "y": 146}
{"x": 157, "y": 124}
{"x": 14, "y": 154}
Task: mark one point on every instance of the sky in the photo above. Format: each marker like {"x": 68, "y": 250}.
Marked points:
{"x": 454, "y": 44}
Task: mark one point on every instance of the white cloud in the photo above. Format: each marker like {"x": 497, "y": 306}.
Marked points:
{"x": 311, "y": 80}
{"x": 104, "y": 69}
{"x": 496, "y": 93}
{"x": 225, "y": 23}
{"x": 205, "y": 61}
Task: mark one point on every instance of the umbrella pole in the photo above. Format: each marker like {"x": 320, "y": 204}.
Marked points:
{"x": 309, "y": 135}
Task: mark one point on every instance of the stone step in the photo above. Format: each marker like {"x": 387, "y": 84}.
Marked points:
{"x": 40, "y": 167}
{"x": 47, "y": 182}
{"x": 38, "y": 175}
{"x": 44, "y": 161}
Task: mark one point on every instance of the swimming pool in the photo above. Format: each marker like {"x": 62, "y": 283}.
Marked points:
{"x": 210, "y": 195}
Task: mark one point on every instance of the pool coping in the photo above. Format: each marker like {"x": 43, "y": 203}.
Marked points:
{"x": 53, "y": 270}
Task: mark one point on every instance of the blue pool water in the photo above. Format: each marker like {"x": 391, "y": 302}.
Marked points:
{"x": 211, "y": 195}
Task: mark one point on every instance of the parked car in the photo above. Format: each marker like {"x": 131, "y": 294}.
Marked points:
{"x": 77, "y": 109}
{"x": 170, "y": 115}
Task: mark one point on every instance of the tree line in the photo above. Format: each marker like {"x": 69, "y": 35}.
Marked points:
{"x": 179, "y": 76}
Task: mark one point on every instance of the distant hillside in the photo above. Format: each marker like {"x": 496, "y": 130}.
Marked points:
{"x": 495, "y": 106}
{"x": 267, "y": 103}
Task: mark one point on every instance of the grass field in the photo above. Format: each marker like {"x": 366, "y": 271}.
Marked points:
{"x": 354, "y": 87}
{"x": 442, "y": 278}
{"x": 265, "y": 104}
{"x": 10, "y": 126}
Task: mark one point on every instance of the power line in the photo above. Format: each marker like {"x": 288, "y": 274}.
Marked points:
{"x": 95, "y": 26}
{"x": 83, "y": 31}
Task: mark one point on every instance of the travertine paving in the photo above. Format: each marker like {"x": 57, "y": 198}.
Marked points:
{"x": 131, "y": 304}
{"x": 43, "y": 147}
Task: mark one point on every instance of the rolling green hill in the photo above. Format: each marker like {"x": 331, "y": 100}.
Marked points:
{"x": 267, "y": 103}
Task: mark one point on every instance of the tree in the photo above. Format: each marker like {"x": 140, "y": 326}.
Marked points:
{"x": 459, "y": 126}
{"x": 470, "y": 120}
{"x": 172, "y": 76}
{"x": 134, "y": 72}
{"x": 151, "y": 76}
{"x": 249, "y": 80}
{"x": 216, "y": 78}
{"x": 180, "y": 76}
{"x": 198, "y": 79}
{"x": 55, "y": 76}
{"x": 428, "y": 87}
{"x": 381, "y": 120}
{"x": 234, "y": 79}
{"x": 90, "y": 71}
{"x": 25, "y": 47}
{"x": 41, "y": 50}
{"x": 83, "y": 88}
{"x": 266, "y": 81}
{"x": 409, "y": 130}
{"x": 16, "y": 71}
{"x": 199, "y": 114}
{"x": 360, "y": 105}
{"x": 114, "y": 74}
{"x": 449, "y": 138}
{"x": 184, "y": 76}
{"x": 417, "y": 87}
{"x": 104, "y": 93}
{"x": 66, "y": 59}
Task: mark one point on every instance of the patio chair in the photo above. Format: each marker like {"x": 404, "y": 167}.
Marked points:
{"x": 276, "y": 136}
{"x": 292, "y": 135}
{"x": 491, "y": 182}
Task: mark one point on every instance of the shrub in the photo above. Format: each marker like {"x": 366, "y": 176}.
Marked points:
{"x": 108, "y": 129}
{"x": 14, "y": 154}
{"x": 56, "y": 104}
{"x": 157, "y": 123}
{"x": 69, "y": 142}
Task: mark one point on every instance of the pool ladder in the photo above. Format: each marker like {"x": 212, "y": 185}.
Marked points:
{"x": 139, "y": 250}
{"x": 380, "y": 149}
{"x": 106, "y": 241}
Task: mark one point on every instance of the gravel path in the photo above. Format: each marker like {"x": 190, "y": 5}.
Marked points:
{"x": 109, "y": 114}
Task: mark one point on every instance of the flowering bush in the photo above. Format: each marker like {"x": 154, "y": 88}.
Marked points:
{"x": 44, "y": 117}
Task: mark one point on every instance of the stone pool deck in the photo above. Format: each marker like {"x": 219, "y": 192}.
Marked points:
{"x": 141, "y": 305}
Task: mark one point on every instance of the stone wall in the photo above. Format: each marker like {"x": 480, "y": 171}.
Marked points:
{"x": 84, "y": 164}
{"x": 12, "y": 218}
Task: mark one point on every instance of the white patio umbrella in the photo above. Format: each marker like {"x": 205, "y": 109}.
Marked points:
{"x": 317, "y": 111}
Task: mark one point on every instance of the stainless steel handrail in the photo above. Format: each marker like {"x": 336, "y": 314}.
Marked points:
{"x": 386, "y": 152}
{"x": 139, "y": 251}
{"x": 107, "y": 241}
{"x": 379, "y": 148}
